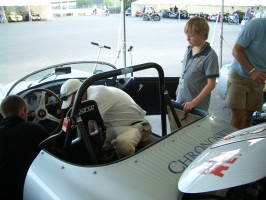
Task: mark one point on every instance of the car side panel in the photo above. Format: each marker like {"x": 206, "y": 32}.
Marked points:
{"x": 151, "y": 174}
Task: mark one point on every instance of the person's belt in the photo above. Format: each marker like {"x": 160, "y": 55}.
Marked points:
{"x": 135, "y": 123}
{"x": 142, "y": 123}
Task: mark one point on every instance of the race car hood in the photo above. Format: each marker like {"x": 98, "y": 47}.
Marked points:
{"x": 237, "y": 159}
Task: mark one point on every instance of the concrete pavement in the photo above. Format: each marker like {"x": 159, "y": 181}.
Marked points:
{"x": 29, "y": 46}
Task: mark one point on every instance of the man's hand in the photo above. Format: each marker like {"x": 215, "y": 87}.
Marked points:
{"x": 258, "y": 77}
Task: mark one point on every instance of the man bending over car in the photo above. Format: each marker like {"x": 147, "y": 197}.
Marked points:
{"x": 126, "y": 126}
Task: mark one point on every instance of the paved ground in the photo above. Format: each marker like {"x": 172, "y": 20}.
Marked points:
{"x": 28, "y": 46}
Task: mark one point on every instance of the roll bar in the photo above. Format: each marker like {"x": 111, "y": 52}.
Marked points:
{"x": 88, "y": 82}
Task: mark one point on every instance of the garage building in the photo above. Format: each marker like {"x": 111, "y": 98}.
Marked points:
{"x": 42, "y": 7}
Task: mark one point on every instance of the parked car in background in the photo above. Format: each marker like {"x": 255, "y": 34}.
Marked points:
{"x": 200, "y": 14}
{"x": 128, "y": 12}
{"x": 226, "y": 15}
{"x": 241, "y": 16}
{"x": 165, "y": 13}
{"x": 181, "y": 14}
{"x": 33, "y": 16}
{"x": 173, "y": 15}
{"x": 138, "y": 13}
{"x": 213, "y": 17}
{"x": 13, "y": 17}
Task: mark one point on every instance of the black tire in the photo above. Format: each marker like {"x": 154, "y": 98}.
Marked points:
{"x": 156, "y": 17}
{"x": 202, "y": 197}
{"x": 145, "y": 18}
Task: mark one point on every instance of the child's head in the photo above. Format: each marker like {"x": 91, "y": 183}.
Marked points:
{"x": 197, "y": 25}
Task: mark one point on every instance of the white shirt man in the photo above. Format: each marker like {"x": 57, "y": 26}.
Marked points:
{"x": 124, "y": 119}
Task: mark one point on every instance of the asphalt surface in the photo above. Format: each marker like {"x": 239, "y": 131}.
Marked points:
{"x": 28, "y": 46}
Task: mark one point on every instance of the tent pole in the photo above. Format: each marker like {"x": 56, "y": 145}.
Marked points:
{"x": 124, "y": 33}
{"x": 29, "y": 12}
{"x": 221, "y": 35}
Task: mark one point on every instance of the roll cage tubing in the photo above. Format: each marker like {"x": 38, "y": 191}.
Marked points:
{"x": 162, "y": 89}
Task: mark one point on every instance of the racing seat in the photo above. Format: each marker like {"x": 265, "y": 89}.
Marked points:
{"x": 89, "y": 117}
{"x": 79, "y": 141}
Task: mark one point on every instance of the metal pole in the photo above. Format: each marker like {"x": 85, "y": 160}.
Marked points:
{"x": 115, "y": 6}
{"x": 221, "y": 35}
{"x": 29, "y": 12}
{"x": 124, "y": 33}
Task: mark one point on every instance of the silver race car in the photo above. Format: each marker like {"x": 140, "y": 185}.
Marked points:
{"x": 193, "y": 155}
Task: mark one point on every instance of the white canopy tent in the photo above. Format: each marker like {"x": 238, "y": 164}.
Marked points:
{"x": 205, "y": 2}
{"x": 41, "y": 7}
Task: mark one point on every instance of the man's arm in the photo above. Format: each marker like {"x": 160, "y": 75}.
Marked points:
{"x": 204, "y": 93}
{"x": 239, "y": 54}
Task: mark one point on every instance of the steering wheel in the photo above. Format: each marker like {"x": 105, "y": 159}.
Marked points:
{"x": 44, "y": 107}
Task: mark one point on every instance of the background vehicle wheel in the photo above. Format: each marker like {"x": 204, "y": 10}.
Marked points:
{"x": 156, "y": 18}
{"x": 145, "y": 18}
